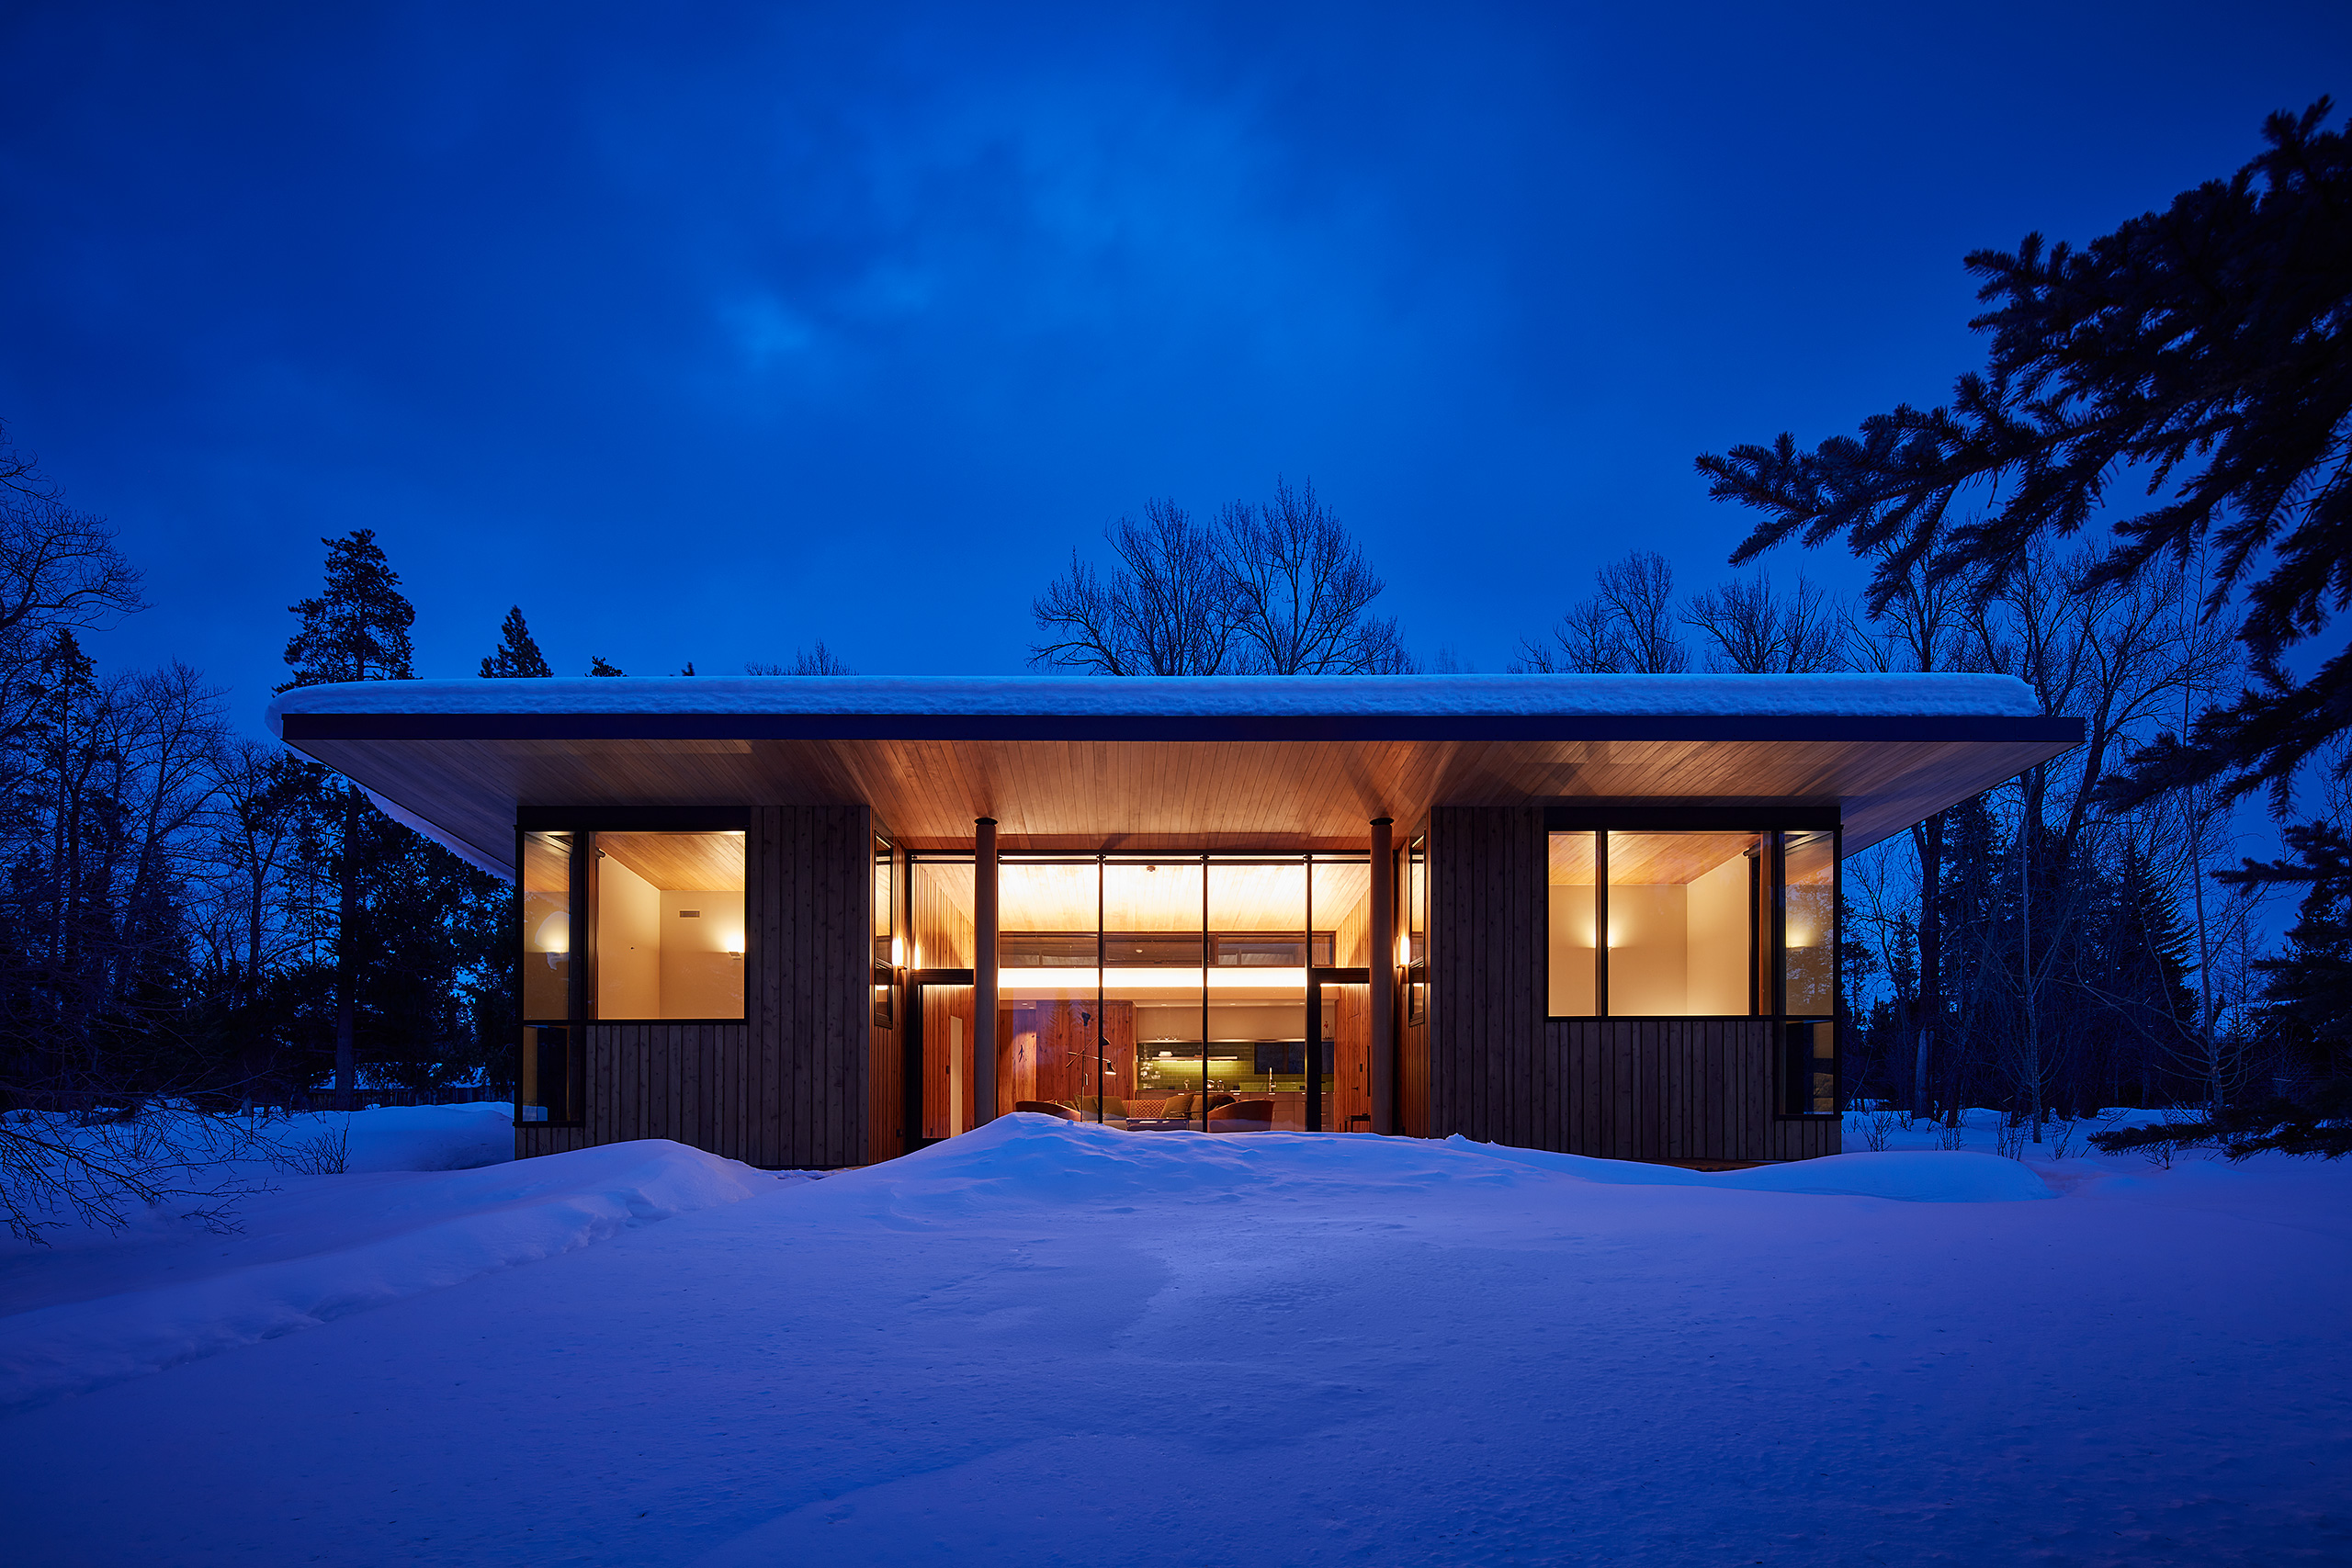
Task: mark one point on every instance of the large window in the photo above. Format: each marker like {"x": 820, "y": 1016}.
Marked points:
{"x": 633, "y": 926}
{"x": 1695, "y": 924}
{"x": 1153, "y": 993}
{"x": 1682, "y": 924}
{"x": 667, "y": 913}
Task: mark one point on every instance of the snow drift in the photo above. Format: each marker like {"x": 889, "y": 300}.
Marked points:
{"x": 335, "y": 1245}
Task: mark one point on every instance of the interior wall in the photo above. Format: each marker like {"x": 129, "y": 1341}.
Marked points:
{"x": 702, "y": 957}
{"x": 1349, "y": 1008}
{"x": 1717, "y": 950}
{"x": 948, "y": 1106}
{"x": 1257, "y": 1020}
{"x": 943, "y": 925}
{"x": 1648, "y": 947}
{"x": 628, "y": 943}
{"x": 1571, "y": 967}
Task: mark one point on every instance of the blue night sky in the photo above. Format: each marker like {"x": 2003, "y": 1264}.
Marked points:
{"x": 707, "y": 332}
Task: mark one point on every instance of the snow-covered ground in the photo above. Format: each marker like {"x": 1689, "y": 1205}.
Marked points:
{"x": 1050, "y": 1343}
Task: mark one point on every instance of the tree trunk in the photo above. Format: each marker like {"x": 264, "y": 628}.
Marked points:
{"x": 347, "y": 955}
{"x": 1927, "y": 838}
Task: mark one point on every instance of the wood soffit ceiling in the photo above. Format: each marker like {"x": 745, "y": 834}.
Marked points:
{"x": 1050, "y": 794}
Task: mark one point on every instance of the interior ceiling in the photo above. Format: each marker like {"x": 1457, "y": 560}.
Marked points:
{"x": 1167, "y": 896}
{"x": 1639, "y": 860}
{"x": 681, "y": 863}
{"x": 1137, "y": 796}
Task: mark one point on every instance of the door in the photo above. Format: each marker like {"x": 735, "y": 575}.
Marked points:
{"x": 938, "y": 1044}
{"x": 1338, "y": 1036}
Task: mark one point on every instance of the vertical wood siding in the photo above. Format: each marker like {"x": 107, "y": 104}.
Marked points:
{"x": 792, "y": 1085}
{"x": 1498, "y": 1070}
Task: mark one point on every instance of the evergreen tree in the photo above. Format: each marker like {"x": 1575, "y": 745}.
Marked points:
{"x": 2210, "y": 345}
{"x": 598, "y": 666}
{"x": 357, "y": 629}
{"x": 518, "y": 655}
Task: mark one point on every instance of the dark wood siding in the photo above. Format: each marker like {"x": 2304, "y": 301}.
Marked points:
{"x": 790, "y": 1085}
{"x": 1498, "y": 1070}
{"x": 1674, "y": 1090}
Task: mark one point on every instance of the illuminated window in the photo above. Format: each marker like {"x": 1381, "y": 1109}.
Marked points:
{"x": 1682, "y": 924}
{"x": 547, "y": 926}
{"x": 1693, "y": 924}
{"x": 668, "y": 913}
{"x": 885, "y": 935}
{"x": 1573, "y": 883}
{"x": 1417, "y": 929}
{"x": 1809, "y": 925}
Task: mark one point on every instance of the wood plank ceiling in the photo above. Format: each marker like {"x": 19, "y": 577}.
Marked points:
{"x": 1134, "y": 797}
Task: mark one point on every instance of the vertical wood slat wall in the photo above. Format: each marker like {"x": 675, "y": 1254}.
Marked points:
{"x": 1498, "y": 1070}
{"x": 793, "y": 1084}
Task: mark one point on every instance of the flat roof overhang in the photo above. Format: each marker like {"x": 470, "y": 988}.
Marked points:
{"x": 1220, "y": 762}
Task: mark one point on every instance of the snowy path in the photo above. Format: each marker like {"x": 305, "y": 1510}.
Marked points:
{"x": 1046, "y": 1344}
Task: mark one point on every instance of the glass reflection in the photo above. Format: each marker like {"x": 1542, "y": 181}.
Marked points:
{"x": 547, "y": 926}
{"x": 1809, "y": 923}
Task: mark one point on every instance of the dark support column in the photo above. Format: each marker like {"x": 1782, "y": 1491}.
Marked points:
{"x": 984, "y": 921}
{"x": 1384, "y": 978}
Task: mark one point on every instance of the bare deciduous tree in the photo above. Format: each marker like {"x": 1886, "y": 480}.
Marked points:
{"x": 819, "y": 660}
{"x": 1754, "y": 630}
{"x": 1626, "y": 627}
{"x": 1278, "y": 589}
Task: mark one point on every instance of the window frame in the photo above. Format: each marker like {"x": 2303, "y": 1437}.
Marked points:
{"x": 585, "y": 827}
{"x": 886, "y": 945}
{"x": 1414, "y": 889}
{"x": 1774, "y": 825}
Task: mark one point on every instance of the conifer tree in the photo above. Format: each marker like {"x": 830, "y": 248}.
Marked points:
{"x": 2210, "y": 346}
{"x": 355, "y": 630}
{"x": 518, "y": 655}
{"x": 598, "y": 666}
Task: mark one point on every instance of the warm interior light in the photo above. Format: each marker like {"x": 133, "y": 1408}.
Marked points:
{"x": 897, "y": 953}
{"x": 554, "y": 934}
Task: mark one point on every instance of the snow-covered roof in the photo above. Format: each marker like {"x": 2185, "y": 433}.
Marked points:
{"x": 1191, "y": 698}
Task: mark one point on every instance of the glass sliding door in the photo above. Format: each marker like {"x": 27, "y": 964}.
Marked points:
{"x": 1154, "y": 952}
{"x": 1340, "y": 914}
{"x": 1257, "y": 1023}
{"x": 1049, "y": 983}
{"x": 1203, "y": 993}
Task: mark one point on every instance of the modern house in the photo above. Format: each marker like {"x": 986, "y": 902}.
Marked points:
{"x": 822, "y": 921}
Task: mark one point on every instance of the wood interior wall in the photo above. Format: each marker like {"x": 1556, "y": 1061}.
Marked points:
{"x": 1045, "y": 1050}
{"x": 940, "y": 1003}
{"x": 1351, "y": 1060}
{"x": 1498, "y": 1070}
{"x": 885, "y": 1072}
{"x": 942, "y": 918}
{"x": 790, "y": 1085}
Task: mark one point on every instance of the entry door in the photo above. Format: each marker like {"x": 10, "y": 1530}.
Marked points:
{"x": 938, "y": 1044}
{"x": 1339, "y": 1049}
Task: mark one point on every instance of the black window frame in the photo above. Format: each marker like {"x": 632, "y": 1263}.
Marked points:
{"x": 1792, "y": 1084}
{"x": 585, "y": 825}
